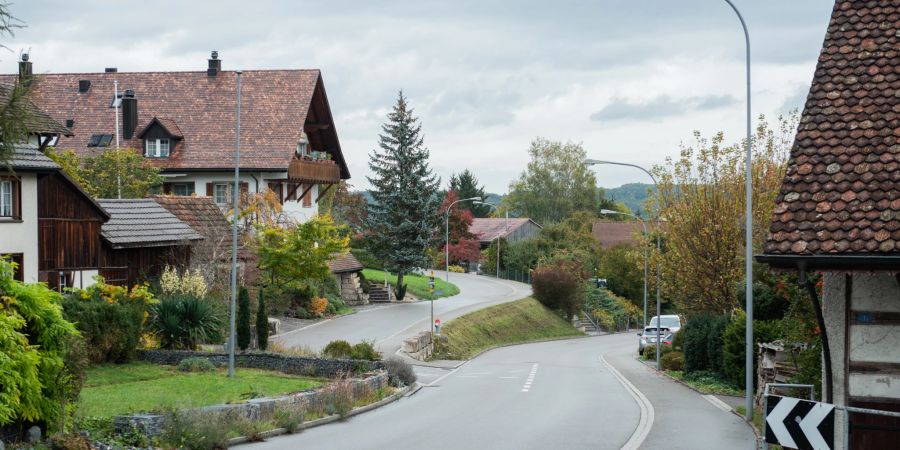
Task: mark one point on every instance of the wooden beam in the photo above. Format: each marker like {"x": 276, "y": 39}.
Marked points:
{"x": 309, "y": 127}
{"x": 322, "y": 193}
{"x": 875, "y": 318}
{"x": 885, "y": 368}
{"x": 292, "y": 191}
{"x": 305, "y": 191}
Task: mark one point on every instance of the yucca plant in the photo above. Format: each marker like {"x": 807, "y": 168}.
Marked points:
{"x": 183, "y": 322}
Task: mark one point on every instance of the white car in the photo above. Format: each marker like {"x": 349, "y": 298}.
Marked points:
{"x": 670, "y": 326}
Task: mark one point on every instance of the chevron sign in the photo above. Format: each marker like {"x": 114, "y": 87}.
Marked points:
{"x": 800, "y": 424}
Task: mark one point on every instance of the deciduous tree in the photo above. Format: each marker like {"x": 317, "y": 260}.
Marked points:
{"x": 113, "y": 173}
{"x": 288, "y": 254}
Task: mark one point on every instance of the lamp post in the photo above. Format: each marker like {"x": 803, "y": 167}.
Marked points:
{"x": 234, "y": 234}
{"x": 593, "y": 162}
{"x": 748, "y": 232}
{"x": 646, "y": 256}
{"x": 447, "y": 233}
{"x": 493, "y": 206}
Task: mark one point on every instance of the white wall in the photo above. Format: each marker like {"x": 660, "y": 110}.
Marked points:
{"x": 22, "y": 237}
{"x": 293, "y": 209}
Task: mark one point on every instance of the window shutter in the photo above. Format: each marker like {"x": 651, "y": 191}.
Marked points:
{"x": 307, "y": 199}
{"x": 209, "y": 189}
{"x": 17, "y": 198}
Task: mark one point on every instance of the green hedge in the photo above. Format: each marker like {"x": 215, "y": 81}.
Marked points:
{"x": 112, "y": 331}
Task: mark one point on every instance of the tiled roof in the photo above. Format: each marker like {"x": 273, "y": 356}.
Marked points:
{"x": 168, "y": 124}
{"x": 489, "y": 228}
{"x": 345, "y": 263}
{"x": 200, "y": 212}
{"x": 29, "y": 157}
{"x": 37, "y": 121}
{"x": 275, "y": 105}
{"x": 610, "y": 233}
{"x": 841, "y": 192}
{"x": 143, "y": 223}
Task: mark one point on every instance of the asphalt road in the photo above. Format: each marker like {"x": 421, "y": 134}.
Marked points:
{"x": 390, "y": 324}
{"x": 560, "y": 394}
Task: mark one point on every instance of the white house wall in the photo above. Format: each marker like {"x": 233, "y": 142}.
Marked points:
{"x": 292, "y": 209}
{"x": 22, "y": 237}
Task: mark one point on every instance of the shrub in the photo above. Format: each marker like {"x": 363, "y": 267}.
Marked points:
{"x": 715, "y": 343}
{"x": 604, "y": 318}
{"x": 733, "y": 349}
{"x": 696, "y": 349}
{"x": 262, "y": 322}
{"x": 672, "y": 361}
{"x": 196, "y": 431}
{"x": 558, "y": 289}
{"x": 678, "y": 340}
{"x": 289, "y": 417}
{"x": 400, "y": 373}
{"x": 190, "y": 283}
{"x": 184, "y": 322}
{"x": 196, "y": 364}
{"x": 456, "y": 269}
{"x": 318, "y": 306}
{"x": 650, "y": 352}
{"x": 112, "y": 331}
{"x": 69, "y": 441}
{"x": 339, "y": 397}
{"x": 365, "y": 351}
{"x": 243, "y": 319}
{"x": 338, "y": 349}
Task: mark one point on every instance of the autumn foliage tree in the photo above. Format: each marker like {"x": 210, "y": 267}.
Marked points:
{"x": 701, "y": 199}
{"x": 464, "y": 246}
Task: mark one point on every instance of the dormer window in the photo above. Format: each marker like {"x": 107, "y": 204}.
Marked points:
{"x": 157, "y": 148}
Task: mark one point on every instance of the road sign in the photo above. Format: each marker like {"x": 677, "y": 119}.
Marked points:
{"x": 800, "y": 424}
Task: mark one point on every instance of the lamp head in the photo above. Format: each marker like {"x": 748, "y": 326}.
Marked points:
{"x": 609, "y": 211}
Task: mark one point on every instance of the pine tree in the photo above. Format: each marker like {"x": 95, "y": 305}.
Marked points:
{"x": 466, "y": 186}
{"x": 262, "y": 322}
{"x": 405, "y": 195}
{"x": 243, "y": 319}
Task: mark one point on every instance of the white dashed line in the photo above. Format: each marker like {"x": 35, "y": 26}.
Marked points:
{"x": 527, "y": 386}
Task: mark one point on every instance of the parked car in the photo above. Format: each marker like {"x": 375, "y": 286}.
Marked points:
{"x": 672, "y": 322}
{"x": 648, "y": 337}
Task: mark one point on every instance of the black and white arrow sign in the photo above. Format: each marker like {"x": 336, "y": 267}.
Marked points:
{"x": 800, "y": 424}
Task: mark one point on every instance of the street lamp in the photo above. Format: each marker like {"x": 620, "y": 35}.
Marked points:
{"x": 447, "y": 233}
{"x": 498, "y": 236}
{"x": 593, "y": 162}
{"x": 748, "y": 234}
{"x": 646, "y": 256}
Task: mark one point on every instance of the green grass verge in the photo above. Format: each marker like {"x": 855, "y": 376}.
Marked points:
{"x": 706, "y": 383}
{"x": 517, "y": 322}
{"x": 416, "y": 284}
{"x": 120, "y": 389}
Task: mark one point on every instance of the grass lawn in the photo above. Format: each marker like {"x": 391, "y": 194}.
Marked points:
{"x": 416, "y": 284}
{"x": 119, "y": 389}
{"x": 524, "y": 320}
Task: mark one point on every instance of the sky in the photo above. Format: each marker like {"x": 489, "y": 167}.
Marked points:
{"x": 629, "y": 79}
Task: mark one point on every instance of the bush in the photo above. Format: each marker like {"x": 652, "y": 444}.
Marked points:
{"x": 650, "y": 352}
{"x": 558, "y": 289}
{"x": 733, "y": 350}
{"x": 678, "y": 340}
{"x": 338, "y": 349}
{"x": 69, "y": 441}
{"x": 262, "y": 322}
{"x": 339, "y": 397}
{"x": 703, "y": 343}
{"x": 365, "y": 351}
{"x": 715, "y": 343}
{"x": 400, "y": 373}
{"x": 318, "y": 306}
{"x": 289, "y": 417}
{"x": 243, "y": 319}
{"x": 184, "y": 322}
{"x": 456, "y": 269}
{"x": 112, "y": 331}
{"x": 196, "y": 431}
{"x": 672, "y": 361}
{"x": 196, "y": 364}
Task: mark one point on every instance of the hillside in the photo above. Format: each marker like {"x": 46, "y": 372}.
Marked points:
{"x": 633, "y": 195}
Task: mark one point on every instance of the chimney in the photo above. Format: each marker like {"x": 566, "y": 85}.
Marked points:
{"x": 25, "y": 70}
{"x": 129, "y": 114}
{"x": 111, "y": 70}
{"x": 84, "y": 85}
{"x": 215, "y": 64}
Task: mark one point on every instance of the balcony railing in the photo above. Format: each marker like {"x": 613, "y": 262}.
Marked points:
{"x": 319, "y": 172}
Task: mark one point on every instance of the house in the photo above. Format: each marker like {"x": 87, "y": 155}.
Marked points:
{"x": 838, "y": 213}
{"x": 512, "y": 229}
{"x": 185, "y": 124}
{"x": 612, "y": 234}
{"x": 346, "y": 269}
{"x": 141, "y": 238}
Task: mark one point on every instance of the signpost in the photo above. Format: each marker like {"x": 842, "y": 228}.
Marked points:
{"x": 431, "y": 290}
{"x": 801, "y": 424}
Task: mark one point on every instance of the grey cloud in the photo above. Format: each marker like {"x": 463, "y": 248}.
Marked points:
{"x": 714, "y": 101}
{"x": 657, "y": 107}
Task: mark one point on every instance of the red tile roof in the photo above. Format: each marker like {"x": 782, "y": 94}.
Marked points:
{"x": 275, "y": 105}
{"x": 345, "y": 263}
{"x": 610, "y": 233}
{"x": 488, "y": 229}
{"x": 841, "y": 192}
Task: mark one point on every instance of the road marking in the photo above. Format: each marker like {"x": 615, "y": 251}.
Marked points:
{"x": 647, "y": 413}
{"x": 530, "y": 379}
{"x": 509, "y": 378}
{"x": 717, "y": 403}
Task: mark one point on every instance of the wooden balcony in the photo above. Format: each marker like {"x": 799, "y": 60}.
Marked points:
{"x": 318, "y": 172}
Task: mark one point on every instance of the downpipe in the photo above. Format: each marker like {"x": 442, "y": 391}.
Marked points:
{"x": 823, "y": 334}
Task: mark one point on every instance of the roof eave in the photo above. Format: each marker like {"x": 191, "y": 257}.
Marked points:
{"x": 848, "y": 262}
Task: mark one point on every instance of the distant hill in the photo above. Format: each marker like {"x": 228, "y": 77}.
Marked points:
{"x": 633, "y": 195}
{"x": 492, "y": 198}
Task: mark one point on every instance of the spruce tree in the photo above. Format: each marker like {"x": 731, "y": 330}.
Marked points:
{"x": 466, "y": 186}
{"x": 262, "y": 322}
{"x": 405, "y": 197}
{"x": 243, "y": 319}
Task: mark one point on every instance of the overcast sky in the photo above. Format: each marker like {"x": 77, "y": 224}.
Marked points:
{"x": 630, "y": 79}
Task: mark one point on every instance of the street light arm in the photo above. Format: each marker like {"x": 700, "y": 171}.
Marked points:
{"x": 592, "y": 162}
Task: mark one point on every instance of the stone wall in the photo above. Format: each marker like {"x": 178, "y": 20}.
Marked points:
{"x": 256, "y": 409}
{"x": 351, "y": 291}
{"x": 293, "y": 365}
{"x": 419, "y": 347}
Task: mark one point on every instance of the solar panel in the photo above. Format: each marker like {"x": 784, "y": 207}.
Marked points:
{"x": 95, "y": 140}
{"x": 105, "y": 139}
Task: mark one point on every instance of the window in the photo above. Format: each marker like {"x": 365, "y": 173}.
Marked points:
{"x": 100, "y": 140}
{"x": 95, "y": 140}
{"x": 105, "y": 140}
{"x": 222, "y": 192}
{"x": 182, "y": 189}
{"x": 157, "y": 148}
{"x": 10, "y": 198}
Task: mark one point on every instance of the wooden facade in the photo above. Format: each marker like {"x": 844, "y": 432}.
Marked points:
{"x": 130, "y": 266}
{"x": 320, "y": 172}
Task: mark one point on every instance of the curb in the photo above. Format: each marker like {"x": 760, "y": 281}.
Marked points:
{"x": 418, "y": 363}
{"x": 324, "y": 420}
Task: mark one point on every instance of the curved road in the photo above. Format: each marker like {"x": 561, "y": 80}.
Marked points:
{"x": 579, "y": 393}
